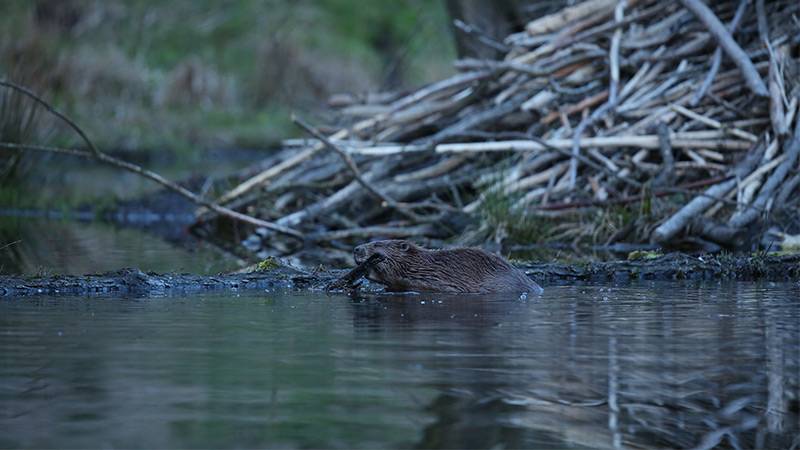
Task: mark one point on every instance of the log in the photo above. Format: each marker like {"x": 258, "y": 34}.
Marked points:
{"x": 678, "y": 221}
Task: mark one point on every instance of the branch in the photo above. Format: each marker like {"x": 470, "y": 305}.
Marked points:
{"x": 724, "y": 39}
{"x": 53, "y": 111}
{"x": 348, "y": 160}
{"x": 116, "y": 162}
{"x": 694, "y": 208}
{"x": 792, "y": 151}
{"x": 611, "y": 103}
{"x": 716, "y": 60}
{"x": 102, "y": 157}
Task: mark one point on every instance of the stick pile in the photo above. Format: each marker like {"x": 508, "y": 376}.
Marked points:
{"x": 688, "y": 110}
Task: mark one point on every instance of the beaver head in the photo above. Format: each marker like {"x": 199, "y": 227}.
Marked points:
{"x": 397, "y": 257}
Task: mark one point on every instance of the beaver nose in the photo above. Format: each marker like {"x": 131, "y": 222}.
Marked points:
{"x": 359, "y": 254}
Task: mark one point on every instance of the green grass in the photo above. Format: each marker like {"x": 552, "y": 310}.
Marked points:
{"x": 499, "y": 214}
{"x": 187, "y": 75}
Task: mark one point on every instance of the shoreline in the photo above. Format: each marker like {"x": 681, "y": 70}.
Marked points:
{"x": 669, "y": 267}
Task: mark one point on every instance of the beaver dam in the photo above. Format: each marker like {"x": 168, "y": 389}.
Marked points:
{"x": 605, "y": 122}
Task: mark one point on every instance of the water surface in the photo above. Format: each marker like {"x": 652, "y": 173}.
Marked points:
{"x": 36, "y": 246}
{"x": 650, "y": 365}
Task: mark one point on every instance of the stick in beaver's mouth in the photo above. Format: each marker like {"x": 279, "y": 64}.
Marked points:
{"x": 348, "y": 280}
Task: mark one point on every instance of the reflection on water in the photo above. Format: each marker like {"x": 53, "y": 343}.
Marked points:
{"x": 76, "y": 248}
{"x": 655, "y": 365}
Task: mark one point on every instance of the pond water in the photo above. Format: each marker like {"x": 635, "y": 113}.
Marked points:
{"x": 45, "y": 238}
{"x": 648, "y": 365}
{"x": 35, "y": 246}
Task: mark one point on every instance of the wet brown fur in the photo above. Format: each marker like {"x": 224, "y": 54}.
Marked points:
{"x": 408, "y": 267}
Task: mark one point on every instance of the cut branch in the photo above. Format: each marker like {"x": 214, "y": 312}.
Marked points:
{"x": 726, "y": 41}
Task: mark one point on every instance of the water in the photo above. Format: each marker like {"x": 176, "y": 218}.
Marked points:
{"x": 45, "y": 247}
{"x": 650, "y": 365}
{"x": 30, "y": 244}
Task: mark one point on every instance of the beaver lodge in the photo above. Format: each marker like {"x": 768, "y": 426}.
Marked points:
{"x": 607, "y": 121}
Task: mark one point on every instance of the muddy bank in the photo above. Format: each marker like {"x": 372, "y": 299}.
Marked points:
{"x": 133, "y": 282}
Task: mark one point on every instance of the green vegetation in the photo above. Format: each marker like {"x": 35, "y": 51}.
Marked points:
{"x": 508, "y": 220}
{"x": 644, "y": 255}
{"x": 267, "y": 265}
{"x": 18, "y": 118}
{"x": 187, "y": 75}
{"x": 504, "y": 220}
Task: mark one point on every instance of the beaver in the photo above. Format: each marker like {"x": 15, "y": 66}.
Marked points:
{"x": 404, "y": 266}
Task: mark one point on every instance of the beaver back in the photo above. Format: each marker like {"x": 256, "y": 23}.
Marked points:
{"x": 405, "y": 266}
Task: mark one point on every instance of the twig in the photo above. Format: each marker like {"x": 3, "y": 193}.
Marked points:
{"x": 348, "y": 160}
{"x": 724, "y": 39}
{"x": 10, "y": 244}
{"x": 100, "y": 156}
{"x": 763, "y": 28}
{"x": 270, "y": 173}
{"x": 116, "y": 162}
{"x": 588, "y": 102}
{"x": 613, "y": 61}
{"x": 685, "y": 188}
{"x": 777, "y": 94}
{"x": 612, "y": 25}
{"x": 668, "y": 164}
{"x": 716, "y": 60}
{"x": 348, "y": 280}
{"x": 750, "y": 213}
{"x": 667, "y": 230}
{"x": 394, "y": 232}
{"x": 482, "y": 37}
{"x": 453, "y": 82}
{"x": 649, "y": 141}
{"x": 586, "y": 161}
{"x": 53, "y": 111}
{"x": 475, "y": 120}
{"x": 713, "y": 123}
{"x": 557, "y": 20}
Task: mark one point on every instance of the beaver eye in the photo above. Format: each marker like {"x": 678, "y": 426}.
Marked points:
{"x": 404, "y": 246}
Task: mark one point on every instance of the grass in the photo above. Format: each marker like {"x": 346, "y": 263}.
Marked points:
{"x": 188, "y": 75}
{"x": 18, "y": 125}
{"x": 515, "y": 225}
{"x": 583, "y": 227}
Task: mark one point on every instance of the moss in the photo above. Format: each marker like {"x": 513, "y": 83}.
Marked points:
{"x": 267, "y": 265}
{"x": 642, "y": 255}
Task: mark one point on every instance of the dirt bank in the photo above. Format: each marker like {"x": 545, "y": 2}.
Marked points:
{"x": 133, "y": 282}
